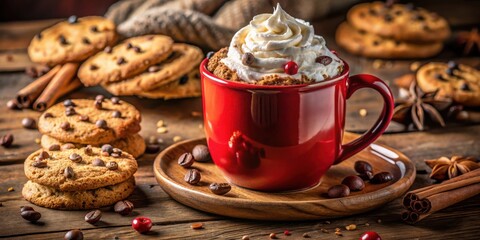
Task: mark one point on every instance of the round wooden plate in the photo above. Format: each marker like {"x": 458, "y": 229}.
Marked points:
{"x": 297, "y": 205}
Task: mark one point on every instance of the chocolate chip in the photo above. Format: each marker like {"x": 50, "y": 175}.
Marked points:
{"x": 39, "y": 164}
{"x": 220, "y": 188}
{"x": 388, "y": 18}
{"x": 47, "y": 115}
{"x": 65, "y": 126}
{"x": 93, "y": 216}
{"x": 129, "y": 45}
{"x": 98, "y": 104}
{"x": 112, "y": 165}
{"x": 372, "y": 11}
{"x": 123, "y": 207}
{"x": 38, "y": 36}
{"x": 67, "y": 146}
{"x": 248, "y": 59}
{"x": 62, "y": 40}
{"x": 73, "y": 19}
{"x": 68, "y": 172}
{"x": 94, "y": 29}
{"x": 68, "y": 103}
{"x": 186, "y": 160}
{"x": 107, "y": 49}
{"x": 362, "y": 166}
{"x": 43, "y": 155}
{"x": 6, "y": 140}
{"x": 116, "y": 153}
{"x": 452, "y": 64}
{"x": 101, "y": 124}
{"x": 116, "y": 114}
{"x": 210, "y": 54}
{"x": 450, "y": 71}
{"x": 201, "y": 153}
{"x": 154, "y": 68}
{"x": 100, "y": 98}
{"x": 354, "y": 183}
{"x": 183, "y": 79}
{"x": 115, "y": 100}
{"x": 338, "y": 191}
{"x": 83, "y": 118}
{"x": 98, "y": 162}
{"x": 193, "y": 176}
{"x": 426, "y": 28}
{"x": 75, "y": 157}
{"x": 465, "y": 87}
{"x": 13, "y": 105}
{"x": 31, "y": 215}
{"x": 324, "y": 60}
{"x": 381, "y": 177}
{"x": 85, "y": 41}
{"x": 88, "y": 150}
{"x": 93, "y": 67}
{"x": 73, "y": 235}
{"x": 26, "y": 208}
{"x": 440, "y": 77}
{"x": 54, "y": 147}
{"x": 398, "y": 12}
{"x": 418, "y": 17}
{"x": 107, "y": 148}
{"x": 366, "y": 176}
{"x": 137, "y": 49}
{"x": 69, "y": 111}
{"x": 376, "y": 43}
{"x": 152, "y": 148}
{"x": 29, "y": 123}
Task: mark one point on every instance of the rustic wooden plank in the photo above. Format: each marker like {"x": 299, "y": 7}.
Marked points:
{"x": 17, "y": 35}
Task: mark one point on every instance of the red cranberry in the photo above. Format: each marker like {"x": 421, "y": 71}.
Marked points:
{"x": 370, "y": 236}
{"x": 291, "y": 68}
{"x": 142, "y": 224}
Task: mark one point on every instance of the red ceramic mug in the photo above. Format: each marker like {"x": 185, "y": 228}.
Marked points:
{"x": 278, "y": 138}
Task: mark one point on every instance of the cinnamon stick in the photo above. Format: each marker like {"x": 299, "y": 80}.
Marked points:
{"x": 27, "y": 95}
{"x": 58, "y": 86}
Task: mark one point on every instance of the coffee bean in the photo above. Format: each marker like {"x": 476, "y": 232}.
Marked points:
{"x": 100, "y": 98}
{"x": 366, "y": 176}
{"x": 201, "y": 153}
{"x": 43, "y": 155}
{"x": 13, "y": 105}
{"x": 220, "y": 188}
{"x": 98, "y": 162}
{"x": 112, "y": 165}
{"x": 152, "y": 148}
{"x": 324, "y": 60}
{"x": 382, "y": 177}
{"x": 85, "y": 41}
{"x": 210, "y": 54}
{"x": 192, "y": 176}
{"x": 68, "y": 172}
{"x": 25, "y": 208}
{"x": 116, "y": 114}
{"x": 29, "y": 123}
{"x": 362, "y": 166}
{"x": 67, "y": 146}
{"x": 93, "y": 67}
{"x": 93, "y": 216}
{"x": 123, "y": 207}
{"x": 54, "y": 147}
{"x": 65, "y": 126}
{"x": 121, "y": 61}
{"x": 354, "y": 183}
{"x": 73, "y": 235}
{"x": 47, "y": 115}
{"x": 107, "y": 49}
{"x": 183, "y": 79}
{"x": 75, "y": 157}
{"x": 73, "y": 19}
{"x": 107, "y": 148}
{"x": 101, "y": 124}
{"x": 39, "y": 163}
{"x": 115, "y": 100}
{"x": 63, "y": 40}
{"x": 31, "y": 215}
{"x": 6, "y": 140}
{"x": 68, "y": 103}
{"x": 94, "y": 29}
{"x": 98, "y": 104}
{"x": 137, "y": 49}
{"x": 83, "y": 118}
{"x": 338, "y": 191}
{"x": 248, "y": 59}
{"x": 186, "y": 160}
{"x": 154, "y": 68}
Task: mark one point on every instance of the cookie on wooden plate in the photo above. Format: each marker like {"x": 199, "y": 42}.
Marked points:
{"x": 79, "y": 169}
{"x": 133, "y": 144}
{"x": 366, "y": 44}
{"x": 86, "y": 121}
{"x": 125, "y": 60}
{"x": 457, "y": 81}
{"x": 73, "y": 40}
{"x": 78, "y": 200}
{"x": 399, "y": 21}
{"x": 185, "y": 87}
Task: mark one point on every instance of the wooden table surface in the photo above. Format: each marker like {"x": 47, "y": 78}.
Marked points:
{"x": 172, "y": 220}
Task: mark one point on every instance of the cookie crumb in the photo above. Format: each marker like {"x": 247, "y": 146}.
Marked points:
{"x": 37, "y": 140}
{"x": 377, "y": 64}
{"x": 414, "y": 66}
{"x": 11, "y": 189}
{"x": 177, "y": 139}
{"x": 351, "y": 227}
{"x": 362, "y": 112}
{"x": 162, "y": 130}
{"x": 196, "y": 114}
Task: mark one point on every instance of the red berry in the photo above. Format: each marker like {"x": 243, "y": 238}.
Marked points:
{"x": 370, "y": 236}
{"x": 142, "y": 224}
{"x": 286, "y": 233}
{"x": 291, "y": 68}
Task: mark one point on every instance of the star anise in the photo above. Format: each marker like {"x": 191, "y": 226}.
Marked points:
{"x": 470, "y": 40}
{"x": 420, "y": 108}
{"x": 444, "y": 168}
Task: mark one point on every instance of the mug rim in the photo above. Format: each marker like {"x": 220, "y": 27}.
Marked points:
{"x": 246, "y": 86}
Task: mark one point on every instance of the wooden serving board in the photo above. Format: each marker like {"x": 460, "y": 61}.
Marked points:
{"x": 306, "y": 204}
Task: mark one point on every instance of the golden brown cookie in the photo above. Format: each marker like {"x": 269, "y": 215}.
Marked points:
{"x": 127, "y": 59}
{"x": 185, "y": 87}
{"x": 87, "y": 122}
{"x": 399, "y": 21}
{"x": 133, "y": 144}
{"x": 457, "y": 81}
{"x": 73, "y": 40}
{"x": 78, "y": 169}
{"x": 79, "y": 200}
{"x": 366, "y": 44}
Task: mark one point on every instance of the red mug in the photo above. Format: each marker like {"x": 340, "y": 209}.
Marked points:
{"x": 280, "y": 138}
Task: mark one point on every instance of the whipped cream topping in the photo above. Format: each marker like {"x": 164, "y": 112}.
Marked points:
{"x": 275, "y": 39}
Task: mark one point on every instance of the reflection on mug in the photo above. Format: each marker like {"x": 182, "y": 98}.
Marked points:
{"x": 244, "y": 152}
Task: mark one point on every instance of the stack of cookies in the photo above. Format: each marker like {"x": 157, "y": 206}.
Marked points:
{"x": 79, "y": 178}
{"x": 151, "y": 66}
{"x": 391, "y": 31}
{"x": 81, "y": 122}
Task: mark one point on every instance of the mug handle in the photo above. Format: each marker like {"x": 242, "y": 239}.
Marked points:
{"x": 355, "y": 83}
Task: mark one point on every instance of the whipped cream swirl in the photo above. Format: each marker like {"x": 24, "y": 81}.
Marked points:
{"x": 275, "y": 39}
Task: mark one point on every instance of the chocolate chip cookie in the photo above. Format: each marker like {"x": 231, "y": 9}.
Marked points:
{"x": 133, "y": 144}
{"x": 360, "y": 42}
{"x": 185, "y": 87}
{"x": 90, "y": 121}
{"x": 127, "y": 59}
{"x": 80, "y": 169}
{"x": 72, "y": 41}
{"x": 399, "y": 21}
{"x": 457, "y": 81}
{"x": 78, "y": 200}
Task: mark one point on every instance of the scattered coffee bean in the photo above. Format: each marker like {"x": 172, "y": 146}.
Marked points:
{"x": 154, "y": 68}
{"x": 338, "y": 191}
{"x": 99, "y": 98}
{"x": 7, "y": 140}
{"x": 101, "y": 124}
{"x": 193, "y": 176}
{"x": 196, "y": 226}
{"x": 68, "y": 172}
{"x": 324, "y": 60}
{"x": 107, "y": 49}
{"x": 121, "y": 61}
{"x": 83, "y": 118}
{"x": 152, "y": 148}
{"x": 94, "y": 29}
{"x": 248, "y": 59}
{"x": 123, "y": 207}
{"x": 366, "y": 176}
{"x": 47, "y": 115}
{"x": 115, "y": 100}
{"x": 183, "y": 79}
{"x": 210, "y": 54}
{"x": 98, "y": 162}
{"x": 69, "y": 111}
{"x": 26, "y": 208}
{"x": 93, "y": 216}
{"x": 88, "y": 150}
{"x": 85, "y": 41}
{"x": 246, "y": 237}
{"x": 29, "y": 123}
{"x": 363, "y": 166}
{"x": 272, "y": 236}
{"x": 63, "y": 40}
{"x": 13, "y": 105}
{"x": 186, "y": 160}
{"x": 354, "y": 183}
{"x": 381, "y": 177}
{"x": 73, "y": 235}
{"x": 31, "y": 215}
{"x": 39, "y": 163}
{"x": 67, "y": 146}
{"x": 43, "y": 155}
{"x": 98, "y": 104}
{"x": 220, "y": 188}
{"x": 73, "y": 19}
{"x": 201, "y": 153}
{"x": 107, "y": 148}
{"x": 116, "y": 114}
{"x": 112, "y": 165}
{"x": 65, "y": 126}
{"x": 93, "y": 67}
